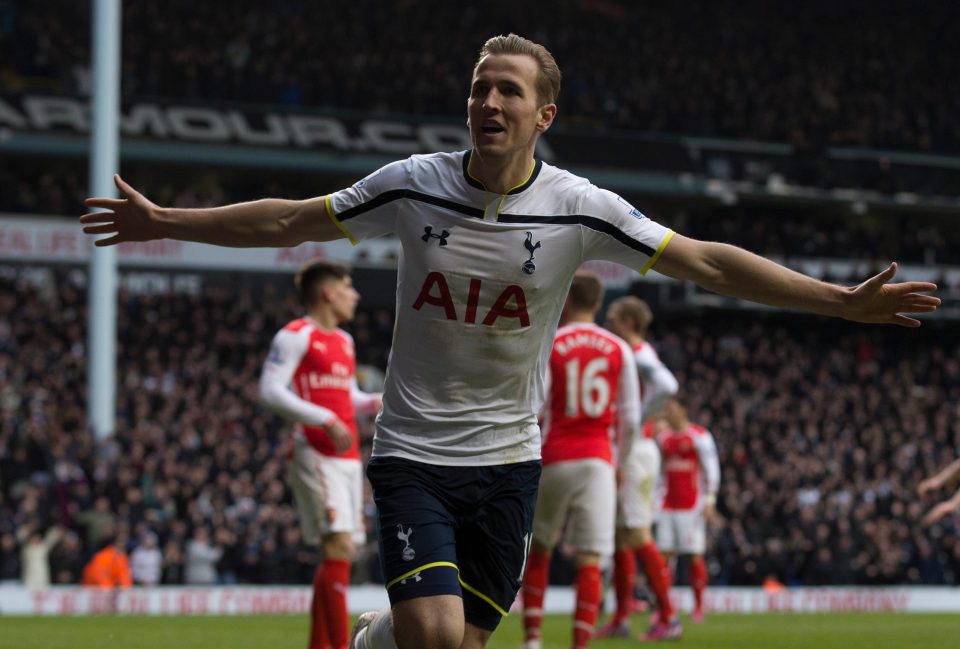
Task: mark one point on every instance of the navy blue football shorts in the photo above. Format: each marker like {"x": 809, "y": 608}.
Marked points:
{"x": 455, "y": 530}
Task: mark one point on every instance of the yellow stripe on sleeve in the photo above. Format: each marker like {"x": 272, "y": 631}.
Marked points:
{"x": 336, "y": 221}
{"x": 663, "y": 244}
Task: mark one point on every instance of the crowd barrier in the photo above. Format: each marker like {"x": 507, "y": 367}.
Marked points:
{"x": 262, "y": 600}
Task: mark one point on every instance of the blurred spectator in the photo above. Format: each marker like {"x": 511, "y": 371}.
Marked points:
{"x": 9, "y": 559}
{"x": 66, "y": 560}
{"x": 201, "y": 559}
{"x": 109, "y": 568}
{"x": 146, "y": 561}
{"x": 173, "y": 564}
{"x": 36, "y": 555}
{"x": 99, "y": 522}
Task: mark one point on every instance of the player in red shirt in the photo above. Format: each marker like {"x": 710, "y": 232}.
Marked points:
{"x": 691, "y": 476}
{"x": 630, "y": 318}
{"x": 309, "y": 377}
{"x": 591, "y": 390}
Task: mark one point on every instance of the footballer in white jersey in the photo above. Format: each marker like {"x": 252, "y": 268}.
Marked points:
{"x": 482, "y": 280}
{"x": 481, "y": 284}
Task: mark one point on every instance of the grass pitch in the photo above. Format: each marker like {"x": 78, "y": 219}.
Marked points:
{"x": 770, "y": 631}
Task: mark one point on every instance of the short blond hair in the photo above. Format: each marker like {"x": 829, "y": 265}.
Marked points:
{"x": 548, "y": 79}
{"x": 637, "y": 310}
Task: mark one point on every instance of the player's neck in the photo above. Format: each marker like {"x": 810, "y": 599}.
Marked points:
{"x": 580, "y": 318}
{"x": 634, "y": 339}
{"x": 324, "y": 319}
{"x": 501, "y": 174}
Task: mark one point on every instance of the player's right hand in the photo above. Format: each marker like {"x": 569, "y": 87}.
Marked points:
{"x": 939, "y": 512}
{"x": 134, "y": 218}
{"x": 340, "y": 435}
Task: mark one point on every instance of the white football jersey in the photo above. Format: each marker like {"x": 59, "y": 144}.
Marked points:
{"x": 482, "y": 279}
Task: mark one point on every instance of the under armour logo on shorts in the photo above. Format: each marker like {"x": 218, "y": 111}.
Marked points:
{"x": 415, "y": 577}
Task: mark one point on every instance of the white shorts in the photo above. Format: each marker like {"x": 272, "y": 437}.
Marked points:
{"x": 328, "y": 492}
{"x": 682, "y": 531}
{"x": 583, "y": 492}
{"x": 635, "y": 500}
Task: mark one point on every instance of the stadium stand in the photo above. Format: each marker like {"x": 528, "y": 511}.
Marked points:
{"x": 817, "y": 76}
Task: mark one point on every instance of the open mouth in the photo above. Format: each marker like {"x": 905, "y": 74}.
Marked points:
{"x": 492, "y": 129}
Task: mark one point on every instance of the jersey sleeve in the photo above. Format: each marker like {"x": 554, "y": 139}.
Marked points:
{"x": 367, "y": 209}
{"x": 614, "y": 230}
{"x": 707, "y": 452}
{"x": 659, "y": 383}
{"x": 628, "y": 405}
{"x": 286, "y": 352}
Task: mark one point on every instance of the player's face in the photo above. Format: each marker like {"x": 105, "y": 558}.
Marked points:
{"x": 675, "y": 414}
{"x": 503, "y": 111}
{"x": 342, "y": 298}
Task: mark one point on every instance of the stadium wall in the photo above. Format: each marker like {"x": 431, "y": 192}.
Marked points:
{"x": 266, "y": 600}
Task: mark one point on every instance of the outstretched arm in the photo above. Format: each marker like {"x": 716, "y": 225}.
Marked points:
{"x": 270, "y": 222}
{"x": 732, "y": 271}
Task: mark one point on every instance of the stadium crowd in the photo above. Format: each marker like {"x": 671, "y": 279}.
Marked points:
{"x": 859, "y": 73}
{"x": 824, "y": 432}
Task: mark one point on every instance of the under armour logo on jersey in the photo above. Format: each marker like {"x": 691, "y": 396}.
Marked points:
{"x": 528, "y": 266}
{"x": 407, "y": 553}
{"x": 415, "y": 577}
{"x": 428, "y": 234}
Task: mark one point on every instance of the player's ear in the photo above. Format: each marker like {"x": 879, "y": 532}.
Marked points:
{"x": 546, "y": 116}
{"x": 321, "y": 292}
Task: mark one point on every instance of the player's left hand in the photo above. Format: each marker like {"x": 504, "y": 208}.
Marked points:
{"x": 710, "y": 515}
{"x": 875, "y": 301}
